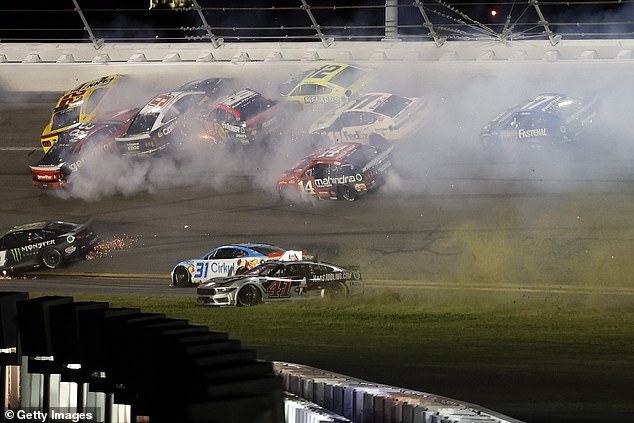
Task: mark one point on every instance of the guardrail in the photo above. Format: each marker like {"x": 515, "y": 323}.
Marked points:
{"x": 214, "y": 22}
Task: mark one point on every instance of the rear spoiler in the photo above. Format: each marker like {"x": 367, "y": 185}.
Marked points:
{"x": 290, "y": 255}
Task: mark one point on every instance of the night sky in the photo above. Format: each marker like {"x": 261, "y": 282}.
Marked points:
{"x": 131, "y": 20}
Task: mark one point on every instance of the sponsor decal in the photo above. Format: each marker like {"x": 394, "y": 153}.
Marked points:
{"x": 36, "y": 246}
{"x": 41, "y": 177}
{"x": 167, "y": 130}
{"x": 134, "y": 146}
{"x": 217, "y": 268}
{"x": 340, "y": 180}
{"x": 16, "y": 254}
{"x": 338, "y": 276}
{"x": 70, "y": 239}
{"x": 94, "y": 84}
{"x": 3, "y": 257}
{"x": 233, "y": 128}
{"x": 70, "y": 250}
{"x": 531, "y": 133}
{"x": 321, "y": 99}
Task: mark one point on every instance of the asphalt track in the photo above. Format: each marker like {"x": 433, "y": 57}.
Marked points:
{"x": 467, "y": 226}
{"x": 488, "y": 224}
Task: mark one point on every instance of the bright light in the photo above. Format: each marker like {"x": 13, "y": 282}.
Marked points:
{"x": 494, "y": 12}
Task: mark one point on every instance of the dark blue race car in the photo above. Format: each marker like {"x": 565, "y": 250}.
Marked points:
{"x": 546, "y": 121}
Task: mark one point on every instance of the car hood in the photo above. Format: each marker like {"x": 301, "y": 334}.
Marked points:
{"x": 227, "y": 281}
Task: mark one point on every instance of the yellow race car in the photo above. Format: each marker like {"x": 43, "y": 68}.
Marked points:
{"x": 79, "y": 105}
{"x": 332, "y": 83}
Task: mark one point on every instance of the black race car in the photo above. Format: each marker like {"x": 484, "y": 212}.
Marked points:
{"x": 281, "y": 280}
{"x": 48, "y": 244}
{"x": 245, "y": 117}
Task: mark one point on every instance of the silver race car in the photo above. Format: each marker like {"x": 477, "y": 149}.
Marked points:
{"x": 281, "y": 280}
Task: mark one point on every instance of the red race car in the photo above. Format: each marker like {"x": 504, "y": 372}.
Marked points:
{"x": 70, "y": 153}
{"x": 342, "y": 172}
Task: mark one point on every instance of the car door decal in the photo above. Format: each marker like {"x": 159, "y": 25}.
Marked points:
{"x": 3, "y": 257}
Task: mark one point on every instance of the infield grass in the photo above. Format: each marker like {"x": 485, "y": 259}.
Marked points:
{"x": 535, "y": 360}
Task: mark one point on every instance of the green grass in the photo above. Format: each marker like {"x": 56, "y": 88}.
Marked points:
{"x": 534, "y": 360}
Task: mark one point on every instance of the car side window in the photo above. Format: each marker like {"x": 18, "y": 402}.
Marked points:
{"x": 321, "y": 170}
{"x": 323, "y": 90}
{"x": 306, "y": 89}
{"x": 522, "y": 120}
{"x": 94, "y": 99}
{"x": 223, "y": 253}
{"x": 35, "y": 236}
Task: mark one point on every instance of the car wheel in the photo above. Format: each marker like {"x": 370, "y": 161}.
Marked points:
{"x": 182, "y": 277}
{"x": 346, "y": 192}
{"x": 52, "y": 258}
{"x": 337, "y": 290}
{"x": 248, "y": 296}
{"x": 378, "y": 142}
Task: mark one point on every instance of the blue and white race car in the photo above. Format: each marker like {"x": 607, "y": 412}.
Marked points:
{"x": 546, "y": 121}
{"x": 228, "y": 260}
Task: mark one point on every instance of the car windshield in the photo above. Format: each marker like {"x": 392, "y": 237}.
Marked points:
{"x": 268, "y": 249}
{"x": 254, "y": 107}
{"x": 60, "y": 227}
{"x": 566, "y": 106}
{"x": 142, "y": 123}
{"x": 393, "y": 105}
{"x": 362, "y": 155}
{"x": 64, "y": 118}
{"x": 347, "y": 77}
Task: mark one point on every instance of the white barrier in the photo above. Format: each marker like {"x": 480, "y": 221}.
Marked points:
{"x": 66, "y": 65}
{"x": 362, "y": 401}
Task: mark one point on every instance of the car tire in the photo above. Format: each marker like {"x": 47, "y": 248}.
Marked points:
{"x": 52, "y": 258}
{"x": 378, "y": 142}
{"x": 182, "y": 277}
{"x": 337, "y": 290}
{"x": 347, "y": 193}
{"x": 248, "y": 295}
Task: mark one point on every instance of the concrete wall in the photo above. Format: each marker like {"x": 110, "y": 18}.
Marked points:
{"x": 22, "y": 66}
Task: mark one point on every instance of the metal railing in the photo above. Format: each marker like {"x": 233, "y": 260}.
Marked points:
{"x": 211, "y": 21}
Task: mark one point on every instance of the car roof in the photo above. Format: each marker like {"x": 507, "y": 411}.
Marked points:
{"x": 89, "y": 87}
{"x": 368, "y": 102}
{"x": 336, "y": 153}
{"x": 245, "y": 245}
{"x": 328, "y": 76}
{"x": 37, "y": 226}
{"x": 239, "y": 98}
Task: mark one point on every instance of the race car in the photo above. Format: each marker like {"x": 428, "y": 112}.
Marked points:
{"x": 278, "y": 280}
{"x": 332, "y": 83}
{"x": 47, "y": 244}
{"x": 228, "y": 260}
{"x": 245, "y": 117}
{"x": 71, "y": 152}
{"x": 344, "y": 171}
{"x": 156, "y": 125}
{"x": 375, "y": 118}
{"x": 79, "y": 105}
{"x": 546, "y": 121}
